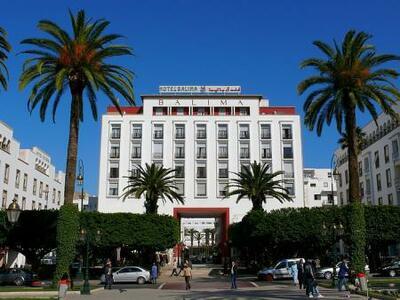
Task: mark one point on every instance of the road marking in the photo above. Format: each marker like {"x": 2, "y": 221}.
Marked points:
{"x": 161, "y": 286}
{"x": 254, "y": 284}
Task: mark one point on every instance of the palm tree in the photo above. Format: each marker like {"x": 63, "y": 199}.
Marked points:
{"x": 349, "y": 78}
{"x": 198, "y": 236}
{"x": 76, "y": 63}
{"x": 191, "y": 233}
{"x": 256, "y": 183}
{"x": 154, "y": 182}
{"x": 4, "y": 49}
{"x": 360, "y": 135}
{"x": 212, "y": 232}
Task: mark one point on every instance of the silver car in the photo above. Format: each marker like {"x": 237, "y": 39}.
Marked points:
{"x": 129, "y": 274}
{"x": 280, "y": 271}
{"x": 327, "y": 272}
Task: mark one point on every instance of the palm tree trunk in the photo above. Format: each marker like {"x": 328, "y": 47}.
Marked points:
{"x": 354, "y": 185}
{"x": 72, "y": 151}
{"x": 151, "y": 206}
{"x": 257, "y": 205}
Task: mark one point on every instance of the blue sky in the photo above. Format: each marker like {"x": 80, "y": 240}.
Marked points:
{"x": 255, "y": 44}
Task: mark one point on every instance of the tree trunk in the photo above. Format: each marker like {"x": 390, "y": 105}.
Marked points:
{"x": 257, "y": 204}
{"x": 151, "y": 206}
{"x": 354, "y": 185}
{"x": 72, "y": 151}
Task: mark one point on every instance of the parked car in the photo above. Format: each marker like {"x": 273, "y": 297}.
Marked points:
{"x": 129, "y": 274}
{"x": 18, "y": 277}
{"x": 327, "y": 272}
{"x": 280, "y": 271}
{"x": 392, "y": 269}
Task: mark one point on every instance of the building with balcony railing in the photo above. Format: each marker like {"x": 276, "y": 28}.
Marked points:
{"x": 319, "y": 188}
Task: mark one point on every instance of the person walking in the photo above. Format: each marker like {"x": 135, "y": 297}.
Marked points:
{"x": 300, "y": 273}
{"x": 343, "y": 272}
{"x": 174, "y": 269}
{"x": 108, "y": 274}
{"x": 63, "y": 287}
{"x": 294, "y": 272}
{"x": 154, "y": 273}
{"x": 315, "y": 288}
{"x": 187, "y": 273}
{"x": 233, "y": 275}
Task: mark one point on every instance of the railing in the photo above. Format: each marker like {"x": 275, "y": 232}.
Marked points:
{"x": 137, "y": 135}
{"x": 201, "y": 135}
{"x": 222, "y": 134}
{"x": 223, "y": 154}
{"x": 244, "y": 154}
{"x": 244, "y": 135}
{"x": 180, "y": 154}
{"x": 158, "y": 134}
{"x": 180, "y": 136}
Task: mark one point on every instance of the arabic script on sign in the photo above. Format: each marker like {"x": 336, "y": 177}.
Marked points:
{"x": 197, "y": 89}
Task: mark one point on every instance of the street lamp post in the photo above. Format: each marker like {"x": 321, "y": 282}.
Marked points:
{"x": 13, "y": 212}
{"x": 337, "y": 232}
{"x": 80, "y": 179}
{"x": 333, "y": 177}
{"x": 85, "y": 290}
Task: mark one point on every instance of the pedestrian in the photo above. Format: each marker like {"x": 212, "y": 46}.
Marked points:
{"x": 174, "y": 268}
{"x": 294, "y": 272}
{"x": 154, "y": 273}
{"x": 300, "y": 273}
{"x": 63, "y": 287}
{"x": 315, "y": 289}
{"x": 108, "y": 275}
{"x": 233, "y": 275}
{"x": 343, "y": 272}
{"x": 187, "y": 273}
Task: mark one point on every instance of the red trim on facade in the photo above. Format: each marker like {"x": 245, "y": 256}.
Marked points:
{"x": 129, "y": 110}
{"x": 278, "y": 110}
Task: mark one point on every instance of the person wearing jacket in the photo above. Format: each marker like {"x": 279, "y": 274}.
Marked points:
{"x": 300, "y": 273}
{"x": 343, "y": 272}
{"x": 233, "y": 275}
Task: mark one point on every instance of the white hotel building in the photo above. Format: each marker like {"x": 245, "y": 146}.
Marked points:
{"x": 27, "y": 175}
{"x": 205, "y": 137}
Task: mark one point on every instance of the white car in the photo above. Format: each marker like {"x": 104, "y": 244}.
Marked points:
{"x": 129, "y": 274}
{"x": 327, "y": 272}
{"x": 280, "y": 271}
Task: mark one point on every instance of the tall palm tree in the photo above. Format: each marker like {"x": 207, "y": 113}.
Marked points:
{"x": 212, "y": 232}
{"x": 198, "y": 236}
{"x": 191, "y": 232}
{"x": 155, "y": 183}
{"x": 360, "y": 135}
{"x": 349, "y": 78}
{"x": 256, "y": 183}
{"x": 4, "y": 49}
{"x": 76, "y": 63}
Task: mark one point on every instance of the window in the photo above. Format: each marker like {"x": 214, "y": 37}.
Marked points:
{"x": 180, "y": 111}
{"x": 40, "y": 206}
{"x": 6, "y": 173}
{"x": 378, "y": 182}
{"x": 222, "y": 189}
{"x": 376, "y": 156}
{"x": 33, "y": 205}
{"x": 244, "y": 111}
{"x": 290, "y": 187}
{"x": 244, "y": 150}
{"x": 368, "y": 186}
{"x": 288, "y": 169}
{"x": 116, "y": 131}
{"x": 223, "y": 170}
{"x": 390, "y": 199}
{"x": 201, "y": 189}
{"x": 360, "y": 170}
{"x": 114, "y": 151}
{"x": 201, "y": 131}
{"x": 25, "y": 182}
{"x": 157, "y": 150}
{"x": 386, "y": 153}
{"x": 287, "y": 132}
{"x": 313, "y": 185}
{"x": 113, "y": 189}
{"x": 179, "y": 171}
{"x": 134, "y": 171}
{"x": 380, "y": 201}
{"x": 244, "y": 165}
{"x": 201, "y": 170}
{"x": 136, "y": 131}
{"x": 346, "y": 176}
{"x": 223, "y": 150}
{"x": 158, "y": 131}
{"x": 23, "y": 204}
{"x": 54, "y": 196}
{"x": 58, "y": 198}
{"x": 180, "y": 131}
{"x": 340, "y": 180}
{"x": 362, "y": 189}
{"x": 136, "y": 151}
{"x": 395, "y": 148}
{"x": 4, "y": 199}
{"x": 388, "y": 178}
{"x": 244, "y": 132}
{"x": 17, "y": 178}
{"x": 179, "y": 150}
{"x": 114, "y": 170}
{"x": 40, "y": 189}
{"x": 287, "y": 150}
{"x": 46, "y": 192}
{"x": 201, "y": 151}
{"x": 265, "y": 131}
{"x": 341, "y": 198}
{"x": 266, "y": 151}
{"x": 222, "y": 131}
{"x": 317, "y": 197}
{"x": 180, "y": 187}
{"x": 366, "y": 165}
{"x": 34, "y": 186}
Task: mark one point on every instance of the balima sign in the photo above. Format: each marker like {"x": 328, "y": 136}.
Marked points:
{"x": 206, "y": 89}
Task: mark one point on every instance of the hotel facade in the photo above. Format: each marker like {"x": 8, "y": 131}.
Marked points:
{"x": 206, "y": 136}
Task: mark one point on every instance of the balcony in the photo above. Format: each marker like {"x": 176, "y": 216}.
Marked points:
{"x": 223, "y": 173}
{"x": 244, "y": 135}
{"x": 137, "y": 135}
{"x": 158, "y": 135}
{"x": 201, "y": 134}
{"x": 223, "y": 134}
{"x": 180, "y": 154}
{"x": 180, "y": 135}
{"x": 157, "y": 155}
{"x": 266, "y": 154}
{"x": 136, "y": 154}
{"x": 115, "y": 135}
{"x": 244, "y": 154}
{"x": 223, "y": 154}
{"x": 114, "y": 154}
{"x": 265, "y": 135}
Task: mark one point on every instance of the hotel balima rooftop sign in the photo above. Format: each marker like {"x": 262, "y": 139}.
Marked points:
{"x": 199, "y": 89}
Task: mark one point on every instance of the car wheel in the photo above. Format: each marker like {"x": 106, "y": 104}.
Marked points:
{"x": 392, "y": 273}
{"x": 328, "y": 275}
{"x": 141, "y": 280}
{"x": 19, "y": 281}
{"x": 269, "y": 277}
